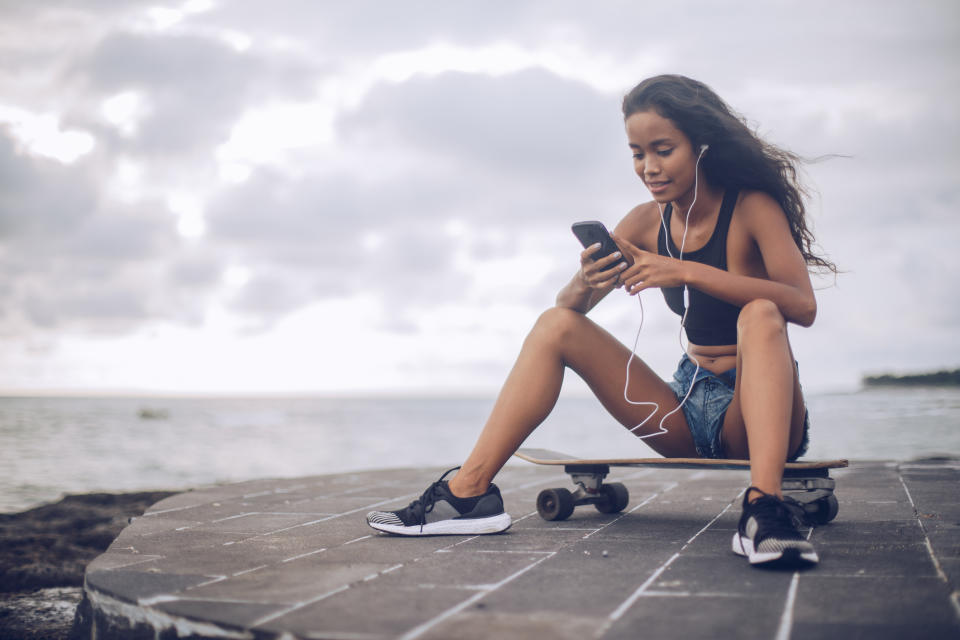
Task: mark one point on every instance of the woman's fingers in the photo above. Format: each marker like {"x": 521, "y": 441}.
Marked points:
{"x": 634, "y": 284}
{"x": 585, "y": 255}
{"x": 601, "y": 277}
{"x": 635, "y": 279}
{"x": 610, "y": 261}
{"x": 626, "y": 246}
{"x": 603, "y": 272}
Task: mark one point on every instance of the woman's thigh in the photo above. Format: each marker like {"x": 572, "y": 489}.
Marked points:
{"x": 601, "y": 360}
{"x": 735, "y": 431}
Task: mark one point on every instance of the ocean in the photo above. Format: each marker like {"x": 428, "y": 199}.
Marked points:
{"x": 52, "y": 446}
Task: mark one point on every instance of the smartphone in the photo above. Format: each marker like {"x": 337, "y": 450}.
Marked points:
{"x": 591, "y": 232}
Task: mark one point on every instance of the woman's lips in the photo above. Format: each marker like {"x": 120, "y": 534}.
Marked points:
{"x": 657, "y": 187}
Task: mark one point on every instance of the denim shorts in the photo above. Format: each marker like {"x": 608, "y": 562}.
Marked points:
{"x": 707, "y": 405}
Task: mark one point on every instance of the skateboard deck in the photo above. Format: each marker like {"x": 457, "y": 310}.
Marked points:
{"x": 808, "y": 485}
{"x": 545, "y": 456}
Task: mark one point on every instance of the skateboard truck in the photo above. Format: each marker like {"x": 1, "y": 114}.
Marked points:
{"x": 559, "y": 503}
{"x": 811, "y": 493}
{"x": 808, "y": 493}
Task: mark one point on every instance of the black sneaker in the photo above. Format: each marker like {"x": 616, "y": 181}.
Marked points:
{"x": 439, "y": 512}
{"x": 768, "y": 533}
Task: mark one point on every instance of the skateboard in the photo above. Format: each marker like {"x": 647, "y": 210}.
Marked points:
{"x": 807, "y": 484}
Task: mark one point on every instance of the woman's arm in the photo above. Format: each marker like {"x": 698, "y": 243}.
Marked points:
{"x": 796, "y": 305}
{"x": 781, "y": 276}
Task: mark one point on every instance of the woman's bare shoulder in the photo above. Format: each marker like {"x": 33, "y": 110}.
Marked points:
{"x": 761, "y": 218}
{"x": 755, "y": 205}
{"x": 640, "y": 225}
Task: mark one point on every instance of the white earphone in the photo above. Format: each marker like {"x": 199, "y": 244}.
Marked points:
{"x": 683, "y": 320}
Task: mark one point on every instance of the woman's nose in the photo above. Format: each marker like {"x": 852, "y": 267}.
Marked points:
{"x": 650, "y": 167}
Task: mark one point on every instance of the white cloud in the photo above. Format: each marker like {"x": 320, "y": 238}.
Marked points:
{"x": 126, "y": 183}
{"x": 563, "y": 57}
{"x": 267, "y": 135}
{"x": 43, "y": 135}
{"x": 124, "y": 110}
{"x": 189, "y": 211}
{"x": 162, "y": 18}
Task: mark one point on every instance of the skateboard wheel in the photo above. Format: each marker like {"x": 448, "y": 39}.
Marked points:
{"x": 614, "y": 498}
{"x": 555, "y": 504}
{"x": 827, "y": 509}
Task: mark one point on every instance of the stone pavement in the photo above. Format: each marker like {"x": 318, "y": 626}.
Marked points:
{"x": 294, "y": 558}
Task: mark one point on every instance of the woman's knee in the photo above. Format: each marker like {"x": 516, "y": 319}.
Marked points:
{"x": 760, "y": 318}
{"x": 556, "y": 325}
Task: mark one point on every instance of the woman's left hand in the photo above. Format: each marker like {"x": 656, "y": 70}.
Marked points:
{"x": 648, "y": 270}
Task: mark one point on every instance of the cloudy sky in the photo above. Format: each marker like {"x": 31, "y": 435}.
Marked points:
{"x": 299, "y": 196}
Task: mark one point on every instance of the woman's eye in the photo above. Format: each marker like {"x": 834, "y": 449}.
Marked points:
{"x": 663, "y": 153}
{"x": 638, "y": 156}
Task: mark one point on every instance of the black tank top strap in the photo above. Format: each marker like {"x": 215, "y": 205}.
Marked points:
{"x": 723, "y": 226}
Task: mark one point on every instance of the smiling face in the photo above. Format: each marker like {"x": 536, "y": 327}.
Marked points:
{"x": 663, "y": 156}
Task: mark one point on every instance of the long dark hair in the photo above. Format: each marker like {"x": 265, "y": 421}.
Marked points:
{"x": 738, "y": 158}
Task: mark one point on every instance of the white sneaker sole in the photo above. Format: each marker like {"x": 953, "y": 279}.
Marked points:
{"x": 743, "y": 546}
{"x": 463, "y": 527}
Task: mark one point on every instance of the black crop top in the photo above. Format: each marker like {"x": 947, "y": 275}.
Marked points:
{"x": 711, "y": 322}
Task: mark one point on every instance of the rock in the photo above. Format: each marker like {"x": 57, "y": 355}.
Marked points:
{"x": 49, "y": 546}
{"x": 43, "y": 554}
{"x": 45, "y": 613}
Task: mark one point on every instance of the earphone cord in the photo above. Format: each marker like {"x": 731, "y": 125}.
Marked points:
{"x": 683, "y": 323}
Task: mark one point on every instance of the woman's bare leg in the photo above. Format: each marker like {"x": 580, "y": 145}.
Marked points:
{"x": 564, "y": 338}
{"x": 764, "y": 422}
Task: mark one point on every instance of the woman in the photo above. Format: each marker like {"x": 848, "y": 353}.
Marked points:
{"x": 725, "y": 239}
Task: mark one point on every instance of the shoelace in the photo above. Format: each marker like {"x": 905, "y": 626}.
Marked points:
{"x": 774, "y": 518}
{"x": 424, "y": 504}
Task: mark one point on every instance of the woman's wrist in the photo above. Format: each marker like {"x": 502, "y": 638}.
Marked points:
{"x": 687, "y": 273}
{"x": 576, "y": 295}
{"x": 581, "y": 279}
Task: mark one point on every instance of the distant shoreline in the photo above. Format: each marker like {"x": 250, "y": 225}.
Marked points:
{"x": 946, "y": 378}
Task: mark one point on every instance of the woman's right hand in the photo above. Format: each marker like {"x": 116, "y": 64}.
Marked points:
{"x": 603, "y": 273}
